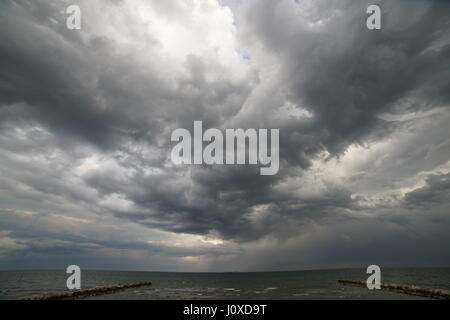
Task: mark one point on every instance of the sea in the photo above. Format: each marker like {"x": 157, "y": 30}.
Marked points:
{"x": 289, "y": 285}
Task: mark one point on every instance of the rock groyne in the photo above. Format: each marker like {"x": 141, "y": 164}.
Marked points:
{"x": 406, "y": 289}
{"x": 87, "y": 292}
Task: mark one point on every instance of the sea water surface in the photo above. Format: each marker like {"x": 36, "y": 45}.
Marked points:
{"x": 321, "y": 284}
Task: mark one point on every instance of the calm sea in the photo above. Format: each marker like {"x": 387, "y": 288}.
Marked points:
{"x": 265, "y": 285}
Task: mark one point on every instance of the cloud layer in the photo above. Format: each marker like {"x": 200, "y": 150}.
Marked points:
{"x": 86, "y": 117}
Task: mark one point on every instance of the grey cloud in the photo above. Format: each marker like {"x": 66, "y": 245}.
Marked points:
{"x": 67, "y": 97}
{"x": 346, "y": 75}
{"x": 436, "y": 191}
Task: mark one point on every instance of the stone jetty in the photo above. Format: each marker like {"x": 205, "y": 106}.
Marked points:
{"x": 83, "y": 293}
{"x": 406, "y": 289}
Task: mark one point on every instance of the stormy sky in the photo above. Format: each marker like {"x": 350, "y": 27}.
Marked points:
{"x": 86, "y": 118}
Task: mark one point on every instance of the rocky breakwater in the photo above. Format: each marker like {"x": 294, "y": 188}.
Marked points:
{"x": 406, "y": 289}
{"x": 83, "y": 293}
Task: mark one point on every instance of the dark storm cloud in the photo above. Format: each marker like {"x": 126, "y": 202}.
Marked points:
{"x": 41, "y": 74}
{"x": 345, "y": 74}
{"x": 86, "y": 118}
{"x": 83, "y": 90}
{"x": 435, "y": 192}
